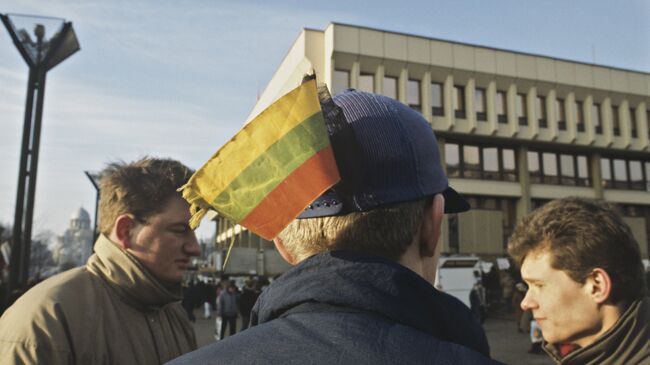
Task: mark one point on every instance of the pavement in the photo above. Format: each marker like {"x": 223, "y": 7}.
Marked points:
{"x": 506, "y": 344}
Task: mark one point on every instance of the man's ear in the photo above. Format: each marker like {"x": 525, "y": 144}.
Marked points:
{"x": 431, "y": 226}
{"x": 600, "y": 285}
{"x": 122, "y": 230}
{"x": 288, "y": 257}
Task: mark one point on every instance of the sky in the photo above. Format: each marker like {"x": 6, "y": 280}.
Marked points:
{"x": 178, "y": 78}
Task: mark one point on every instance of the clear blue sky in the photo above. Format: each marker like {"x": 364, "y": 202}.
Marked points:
{"x": 178, "y": 78}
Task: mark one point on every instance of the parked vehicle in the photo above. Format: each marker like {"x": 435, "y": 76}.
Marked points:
{"x": 456, "y": 275}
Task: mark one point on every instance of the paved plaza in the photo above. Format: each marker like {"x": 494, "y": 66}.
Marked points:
{"x": 507, "y": 345}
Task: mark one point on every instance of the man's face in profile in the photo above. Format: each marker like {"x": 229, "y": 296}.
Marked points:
{"x": 561, "y": 306}
{"x": 165, "y": 243}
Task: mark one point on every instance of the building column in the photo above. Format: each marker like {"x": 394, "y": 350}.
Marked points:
{"x": 513, "y": 122}
{"x": 470, "y": 113}
{"x": 596, "y": 176}
{"x": 447, "y": 98}
{"x": 402, "y": 82}
{"x": 524, "y": 203}
{"x": 491, "y": 93}
{"x": 425, "y": 95}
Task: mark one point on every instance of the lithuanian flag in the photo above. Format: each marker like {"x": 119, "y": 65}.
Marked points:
{"x": 270, "y": 171}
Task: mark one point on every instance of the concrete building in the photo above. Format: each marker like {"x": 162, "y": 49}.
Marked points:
{"x": 515, "y": 129}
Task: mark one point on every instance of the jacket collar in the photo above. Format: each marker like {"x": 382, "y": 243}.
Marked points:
{"x": 130, "y": 279}
{"x": 625, "y": 343}
{"x": 356, "y": 281}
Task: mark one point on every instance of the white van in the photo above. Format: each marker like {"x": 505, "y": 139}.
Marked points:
{"x": 456, "y": 275}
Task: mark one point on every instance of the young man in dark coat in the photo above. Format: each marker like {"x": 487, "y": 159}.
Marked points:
{"x": 364, "y": 255}
{"x": 585, "y": 283}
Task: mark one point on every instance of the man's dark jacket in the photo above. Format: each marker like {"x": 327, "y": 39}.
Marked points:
{"x": 351, "y": 308}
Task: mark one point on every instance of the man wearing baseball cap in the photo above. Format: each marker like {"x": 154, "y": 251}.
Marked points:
{"x": 364, "y": 255}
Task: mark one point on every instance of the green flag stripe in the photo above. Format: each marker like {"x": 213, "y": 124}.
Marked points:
{"x": 264, "y": 174}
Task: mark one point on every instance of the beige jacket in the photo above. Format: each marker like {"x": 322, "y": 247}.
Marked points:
{"x": 627, "y": 343}
{"x": 112, "y": 311}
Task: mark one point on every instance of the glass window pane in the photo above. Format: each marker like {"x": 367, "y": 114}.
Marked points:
{"x": 479, "y": 100}
{"x": 615, "y": 121}
{"x": 509, "y": 159}
{"x": 633, "y": 130}
{"x": 491, "y": 159}
{"x": 550, "y": 164}
{"x": 390, "y": 87}
{"x": 636, "y": 175}
{"x": 559, "y": 109}
{"x": 579, "y": 116}
{"x": 470, "y": 155}
{"x": 583, "y": 167}
{"x": 436, "y": 95}
{"x": 647, "y": 176}
{"x": 341, "y": 81}
{"x": 620, "y": 170}
{"x": 367, "y": 83}
{"x": 413, "y": 93}
{"x": 540, "y": 107}
{"x": 452, "y": 159}
{"x": 533, "y": 161}
{"x": 452, "y": 156}
{"x": 566, "y": 166}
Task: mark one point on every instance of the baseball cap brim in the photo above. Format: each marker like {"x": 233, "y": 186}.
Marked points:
{"x": 454, "y": 202}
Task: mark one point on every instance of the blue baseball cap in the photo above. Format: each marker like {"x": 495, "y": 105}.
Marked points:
{"x": 392, "y": 157}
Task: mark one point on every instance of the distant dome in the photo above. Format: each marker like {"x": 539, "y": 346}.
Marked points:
{"x": 81, "y": 214}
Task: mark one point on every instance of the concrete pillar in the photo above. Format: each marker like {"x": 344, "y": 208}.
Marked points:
{"x": 524, "y": 203}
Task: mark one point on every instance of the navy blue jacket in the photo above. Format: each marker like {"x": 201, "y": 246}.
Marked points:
{"x": 351, "y": 308}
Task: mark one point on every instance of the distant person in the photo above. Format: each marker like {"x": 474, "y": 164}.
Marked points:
{"x": 586, "y": 288}
{"x": 247, "y": 300}
{"x": 227, "y": 309}
{"x": 123, "y": 306}
{"x": 364, "y": 255}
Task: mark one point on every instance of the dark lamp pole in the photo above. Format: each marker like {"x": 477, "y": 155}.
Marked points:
{"x": 94, "y": 179}
{"x": 43, "y": 42}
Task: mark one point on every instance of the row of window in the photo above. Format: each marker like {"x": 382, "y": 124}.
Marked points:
{"x": 621, "y": 173}
{"x": 366, "y": 82}
{"x": 544, "y": 167}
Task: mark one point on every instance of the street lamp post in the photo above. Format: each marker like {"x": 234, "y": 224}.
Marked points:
{"x": 94, "y": 179}
{"x": 41, "y": 54}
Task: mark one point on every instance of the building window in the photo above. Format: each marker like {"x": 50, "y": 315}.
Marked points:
{"x": 560, "y": 114}
{"x": 595, "y": 115}
{"x": 480, "y": 162}
{"x": 521, "y": 109}
{"x": 567, "y": 170}
{"x": 480, "y": 104}
{"x": 491, "y": 163}
{"x": 606, "y": 172}
{"x": 509, "y": 164}
{"x": 452, "y": 159}
{"x": 583, "y": 171}
{"x": 633, "y": 127}
{"x": 534, "y": 170}
{"x": 549, "y": 168}
{"x": 454, "y": 242}
{"x": 471, "y": 162}
{"x": 390, "y": 87}
{"x": 367, "y": 83}
{"x": 647, "y": 119}
{"x": 553, "y": 168}
{"x": 459, "y": 101}
{"x": 437, "y": 105}
{"x": 502, "y": 107}
{"x": 627, "y": 174}
{"x": 540, "y": 109}
{"x": 579, "y": 117}
{"x": 340, "y": 81}
{"x": 413, "y": 95}
{"x": 616, "y": 123}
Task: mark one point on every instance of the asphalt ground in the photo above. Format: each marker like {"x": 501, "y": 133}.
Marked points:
{"x": 506, "y": 344}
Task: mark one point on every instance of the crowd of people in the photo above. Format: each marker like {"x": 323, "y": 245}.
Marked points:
{"x": 360, "y": 291}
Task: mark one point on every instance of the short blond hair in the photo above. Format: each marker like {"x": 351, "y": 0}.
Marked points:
{"x": 385, "y": 232}
{"x": 141, "y": 188}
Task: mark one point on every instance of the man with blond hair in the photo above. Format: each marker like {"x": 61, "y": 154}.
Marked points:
{"x": 123, "y": 306}
{"x": 364, "y": 255}
{"x": 586, "y": 288}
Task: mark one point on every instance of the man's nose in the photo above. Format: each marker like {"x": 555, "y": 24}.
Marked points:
{"x": 192, "y": 246}
{"x": 528, "y": 302}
